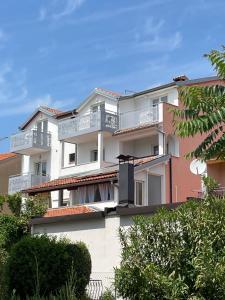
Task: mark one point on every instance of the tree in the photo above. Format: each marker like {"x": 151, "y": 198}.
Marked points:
{"x": 204, "y": 113}
{"x": 175, "y": 254}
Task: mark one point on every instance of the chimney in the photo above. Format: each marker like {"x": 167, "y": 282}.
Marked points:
{"x": 180, "y": 78}
{"x": 126, "y": 179}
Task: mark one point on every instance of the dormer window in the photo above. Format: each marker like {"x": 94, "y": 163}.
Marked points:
{"x": 42, "y": 126}
{"x": 97, "y": 107}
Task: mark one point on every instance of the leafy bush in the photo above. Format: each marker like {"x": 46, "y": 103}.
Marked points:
{"x": 41, "y": 265}
{"x": 11, "y": 231}
{"x": 14, "y": 202}
{"x": 177, "y": 254}
{"x": 107, "y": 295}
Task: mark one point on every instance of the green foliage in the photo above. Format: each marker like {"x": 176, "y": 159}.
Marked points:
{"x": 108, "y": 295}
{"x": 34, "y": 206}
{"x": 177, "y": 254}
{"x": 210, "y": 184}
{"x": 2, "y": 201}
{"x": 204, "y": 113}
{"x": 40, "y": 265}
{"x": 11, "y": 231}
{"x": 14, "y": 202}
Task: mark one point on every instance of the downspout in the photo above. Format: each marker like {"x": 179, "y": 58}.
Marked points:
{"x": 171, "y": 180}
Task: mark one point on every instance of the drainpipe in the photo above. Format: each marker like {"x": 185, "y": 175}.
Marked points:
{"x": 171, "y": 180}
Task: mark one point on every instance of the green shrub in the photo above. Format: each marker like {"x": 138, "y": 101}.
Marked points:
{"x": 41, "y": 265}
{"x": 11, "y": 231}
{"x": 108, "y": 295}
{"x": 178, "y": 254}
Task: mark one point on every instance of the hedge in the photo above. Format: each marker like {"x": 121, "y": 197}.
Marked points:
{"x": 42, "y": 265}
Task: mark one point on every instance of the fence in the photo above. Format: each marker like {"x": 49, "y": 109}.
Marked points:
{"x": 99, "y": 283}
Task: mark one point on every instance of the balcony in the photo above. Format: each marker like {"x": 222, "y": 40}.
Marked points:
{"x": 18, "y": 183}
{"x": 71, "y": 129}
{"x": 30, "y": 142}
{"x": 136, "y": 118}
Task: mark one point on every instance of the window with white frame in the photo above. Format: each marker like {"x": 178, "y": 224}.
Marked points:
{"x": 139, "y": 192}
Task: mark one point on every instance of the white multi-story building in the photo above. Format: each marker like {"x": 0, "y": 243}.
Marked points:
{"x": 72, "y": 155}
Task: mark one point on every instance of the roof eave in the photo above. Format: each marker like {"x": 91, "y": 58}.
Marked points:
{"x": 155, "y": 89}
{"x": 35, "y": 113}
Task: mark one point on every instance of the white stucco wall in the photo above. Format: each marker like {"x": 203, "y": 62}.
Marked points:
{"x": 143, "y": 102}
{"x": 100, "y": 236}
{"x": 52, "y": 157}
{"x": 110, "y": 105}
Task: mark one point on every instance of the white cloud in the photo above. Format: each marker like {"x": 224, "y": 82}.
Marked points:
{"x": 3, "y": 37}
{"x": 59, "y": 9}
{"x": 108, "y": 14}
{"x": 69, "y": 8}
{"x": 15, "y": 98}
{"x": 153, "y": 37}
{"x": 42, "y": 14}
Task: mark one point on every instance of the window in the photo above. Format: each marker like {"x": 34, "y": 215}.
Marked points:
{"x": 72, "y": 158}
{"x": 96, "y": 107}
{"x": 156, "y": 150}
{"x": 139, "y": 192}
{"x": 164, "y": 99}
{"x": 61, "y": 198}
{"x": 94, "y": 155}
{"x": 40, "y": 168}
{"x": 42, "y": 126}
{"x": 155, "y": 102}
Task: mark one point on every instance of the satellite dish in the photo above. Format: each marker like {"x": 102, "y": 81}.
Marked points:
{"x": 197, "y": 167}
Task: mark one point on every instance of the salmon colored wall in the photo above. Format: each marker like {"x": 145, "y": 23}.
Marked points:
{"x": 217, "y": 171}
{"x": 185, "y": 184}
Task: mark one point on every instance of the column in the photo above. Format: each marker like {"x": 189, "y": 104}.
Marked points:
{"x": 161, "y": 143}
{"x": 100, "y": 147}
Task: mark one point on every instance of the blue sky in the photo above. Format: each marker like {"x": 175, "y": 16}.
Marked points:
{"x": 54, "y": 52}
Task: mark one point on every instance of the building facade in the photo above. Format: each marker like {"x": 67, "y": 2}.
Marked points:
{"x": 73, "y": 155}
{"x": 113, "y": 157}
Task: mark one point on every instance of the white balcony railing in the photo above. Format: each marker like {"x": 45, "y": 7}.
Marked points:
{"x": 101, "y": 120}
{"x": 30, "y": 139}
{"x": 18, "y": 183}
{"x": 136, "y": 118}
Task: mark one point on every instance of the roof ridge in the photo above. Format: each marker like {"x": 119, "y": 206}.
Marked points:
{"x": 108, "y": 91}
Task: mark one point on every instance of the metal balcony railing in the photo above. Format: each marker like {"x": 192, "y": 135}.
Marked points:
{"x": 101, "y": 120}
{"x": 30, "y": 139}
{"x": 18, "y": 183}
{"x": 137, "y": 118}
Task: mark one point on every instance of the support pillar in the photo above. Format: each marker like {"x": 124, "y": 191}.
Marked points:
{"x": 161, "y": 143}
{"x": 100, "y": 147}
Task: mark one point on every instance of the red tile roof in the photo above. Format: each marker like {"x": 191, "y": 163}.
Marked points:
{"x": 65, "y": 211}
{"x": 144, "y": 160}
{"x": 111, "y": 93}
{"x": 4, "y": 156}
{"x": 71, "y": 181}
{"x": 53, "y": 110}
{"x": 63, "y": 183}
{"x": 132, "y": 129}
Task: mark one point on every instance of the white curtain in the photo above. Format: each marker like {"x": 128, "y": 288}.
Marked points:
{"x": 91, "y": 192}
{"x": 111, "y": 192}
{"x": 104, "y": 191}
{"x": 82, "y": 192}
